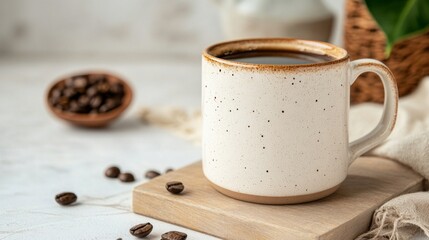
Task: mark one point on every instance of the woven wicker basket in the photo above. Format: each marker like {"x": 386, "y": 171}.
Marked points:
{"x": 409, "y": 60}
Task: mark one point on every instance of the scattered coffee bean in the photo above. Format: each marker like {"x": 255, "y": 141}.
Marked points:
{"x": 168, "y": 170}
{"x": 175, "y": 187}
{"x": 174, "y": 235}
{"x": 152, "y": 174}
{"x": 112, "y": 172}
{"x": 126, "y": 177}
{"x": 65, "y": 198}
{"x": 141, "y": 230}
{"x": 88, "y": 93}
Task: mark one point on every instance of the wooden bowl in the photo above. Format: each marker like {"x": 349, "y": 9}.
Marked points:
{"x": 91, "y": 120}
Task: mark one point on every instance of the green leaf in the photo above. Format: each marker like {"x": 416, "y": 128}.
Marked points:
{"x": 400, "y": 19}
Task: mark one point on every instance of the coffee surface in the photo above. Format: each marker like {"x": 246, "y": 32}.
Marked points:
{"x": 278, "y": 58}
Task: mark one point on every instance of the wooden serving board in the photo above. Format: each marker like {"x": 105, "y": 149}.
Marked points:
{"x": 343, "y": 215}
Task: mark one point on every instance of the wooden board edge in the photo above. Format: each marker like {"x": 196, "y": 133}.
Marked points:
{"x": 253, "y": 230}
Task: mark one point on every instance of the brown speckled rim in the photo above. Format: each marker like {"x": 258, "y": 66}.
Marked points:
{"x": 276, "y": 200}
{"x": 215, "y": 52}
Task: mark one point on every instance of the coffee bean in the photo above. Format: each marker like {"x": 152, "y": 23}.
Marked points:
{"x": 91, "y": 91}
{"x": 152, "y": 174}
{"x": 74, "y": 106}
{"x": 141, "y": 230}
{"x": 168, "y": 170}
{"x": 96, "y": 101}
{"x": 65, "y": 198}
{"x": 83, "y": 101}
{"x": 174, "y": 235}
{"x": 103, "y": 87}
{"x": 55, "y": 96}
{"x": 80, "y": 83}
{"x": 69, "y": 82}
{"x": 126, "y": 177}
{"x": 109, "y": 105}
{"x": 56, "y": 93}
{"x": 95, "y": 78}
{"x": 117, "y": 88}
{"x": 104, "y": 108}
{"x": 175, "y": 187}
{"x": 69, "y": 93}
{"x": 111, "y": 79}
{"x": 112, "y": 172}
{"x": 63, "y": 102}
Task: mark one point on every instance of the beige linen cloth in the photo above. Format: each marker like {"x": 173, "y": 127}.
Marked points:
{"x": 408, "y": 144}
{"x": 404, "y": 216}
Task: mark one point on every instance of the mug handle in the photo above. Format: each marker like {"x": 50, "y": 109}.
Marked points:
{"x": 388, "y": 119}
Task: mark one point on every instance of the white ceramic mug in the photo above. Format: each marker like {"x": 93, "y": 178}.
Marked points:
{"x": 278, "y": 134}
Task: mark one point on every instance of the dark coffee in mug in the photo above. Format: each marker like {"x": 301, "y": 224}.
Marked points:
{"x": 278, "y": 58}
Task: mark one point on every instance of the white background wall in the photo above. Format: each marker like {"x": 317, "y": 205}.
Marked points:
{"x": 149, "y": 28}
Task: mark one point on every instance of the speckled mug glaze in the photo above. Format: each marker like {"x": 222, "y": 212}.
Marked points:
{"x": 278, "y": 134}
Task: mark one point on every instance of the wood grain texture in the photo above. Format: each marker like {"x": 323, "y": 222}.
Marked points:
{"x": 342, "y": 215}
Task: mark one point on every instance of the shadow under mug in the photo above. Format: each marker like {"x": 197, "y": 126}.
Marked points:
{"x": 278, "y": 134}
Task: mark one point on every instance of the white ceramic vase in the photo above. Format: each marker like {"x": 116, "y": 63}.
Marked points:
{"x": 305, "y": 19}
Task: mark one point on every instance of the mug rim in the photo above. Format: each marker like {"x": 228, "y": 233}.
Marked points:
{"x": 215, "y": 52}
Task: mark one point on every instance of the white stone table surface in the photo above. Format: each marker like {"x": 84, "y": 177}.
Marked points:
{"x": 41, "y": 156}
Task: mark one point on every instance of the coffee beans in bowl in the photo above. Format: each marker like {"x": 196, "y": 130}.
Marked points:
{"x": 91, "y": 99}
{"x": 65, "y": 198}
